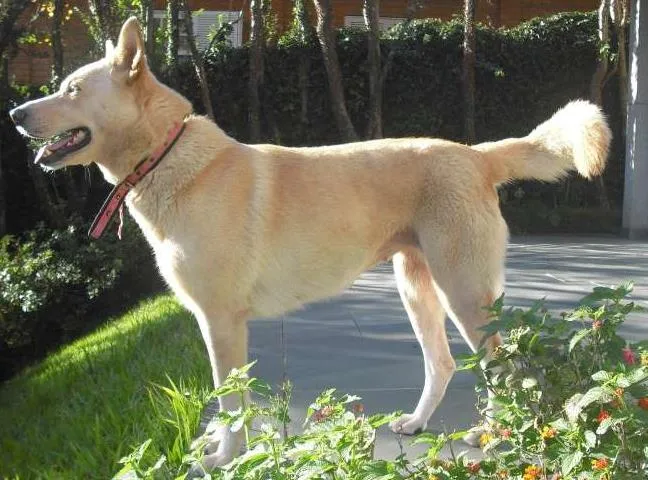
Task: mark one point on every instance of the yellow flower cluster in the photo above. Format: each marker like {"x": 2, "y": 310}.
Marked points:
{"x": 532, "y": 472}
{"x": 485, "y": 439}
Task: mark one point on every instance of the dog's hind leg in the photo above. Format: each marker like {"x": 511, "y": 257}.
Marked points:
{"x": 416, "y": 288}
{"x": 469, "y": 277}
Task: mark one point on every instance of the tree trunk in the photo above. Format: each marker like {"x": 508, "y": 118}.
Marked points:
{"x": 173, "y": 41}
{"x": 326, "y": 37}
{"x": 598, "y": 81}
{"x": 596, "y": 84}
{"x": 57, "y": 44}
{"x": 3, "y": 194}
{"x": 197, "y": 60}
{"x": 149, "y": 28}
{"x": 256, "y": 69}
{"x": 494, "y": 13}
{"x": 3, "y": 201}
{"x": 621, "y": 25}
{"x": 9, "y": 13}
{"x": 468, "y": 72}
{"x": 370, "y": 10}
{"x": 302, "y": 32}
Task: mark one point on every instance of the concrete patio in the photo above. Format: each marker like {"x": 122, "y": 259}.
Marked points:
{"x": 361, "y": 342}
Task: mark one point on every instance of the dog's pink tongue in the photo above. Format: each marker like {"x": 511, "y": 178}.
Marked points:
{"x": 61, "y": 143}
{"x": 52, "y": 148}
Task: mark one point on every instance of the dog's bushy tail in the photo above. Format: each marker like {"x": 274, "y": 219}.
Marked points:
{"x": 576, "y": 137}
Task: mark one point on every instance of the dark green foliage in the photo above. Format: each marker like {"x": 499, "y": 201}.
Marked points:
{"x": 53, "y": 282}
{"x": 524, "y": 74}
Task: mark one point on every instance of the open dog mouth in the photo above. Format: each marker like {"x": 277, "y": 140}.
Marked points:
{"x": 61, "y": 145}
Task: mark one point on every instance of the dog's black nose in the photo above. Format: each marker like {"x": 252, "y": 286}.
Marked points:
{"x": 18, "y": 115}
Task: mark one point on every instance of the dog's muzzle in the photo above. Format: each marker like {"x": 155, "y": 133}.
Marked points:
{"x": 18, "y": 116}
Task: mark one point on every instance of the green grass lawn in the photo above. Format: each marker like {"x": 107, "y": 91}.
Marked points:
{"x": 79, "y": 411}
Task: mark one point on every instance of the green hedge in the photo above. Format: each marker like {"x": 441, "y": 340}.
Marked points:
{"x": 524, "y": 74}
{"x": 59, "y": 284}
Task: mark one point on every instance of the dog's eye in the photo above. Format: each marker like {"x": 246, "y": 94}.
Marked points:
{"x": 72, "y": 89}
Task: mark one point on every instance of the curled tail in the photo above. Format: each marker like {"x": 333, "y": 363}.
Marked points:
{"x": 576, "y": 137}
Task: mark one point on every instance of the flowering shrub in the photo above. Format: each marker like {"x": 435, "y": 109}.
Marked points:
{"x": 571, "y": 396}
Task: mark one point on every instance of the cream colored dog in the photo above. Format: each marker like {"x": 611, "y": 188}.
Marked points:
{"x": 243, "y": 231}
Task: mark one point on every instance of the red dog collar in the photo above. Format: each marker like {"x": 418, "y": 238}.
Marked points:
{"x": 115, "y": 200}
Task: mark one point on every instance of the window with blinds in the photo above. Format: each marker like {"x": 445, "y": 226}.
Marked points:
{"x": 204, "y": 23}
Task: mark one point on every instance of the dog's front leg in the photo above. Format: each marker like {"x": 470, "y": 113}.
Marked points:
{"x": 226, "y": 341}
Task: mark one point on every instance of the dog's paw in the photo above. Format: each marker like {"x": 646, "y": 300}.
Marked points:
{"x": 408, "y": 424}
{"x": 217, "y": 459}
{"x": 209, "y": 441}
{"x": 220, "y": 447}
{"x": 196, "y": 471}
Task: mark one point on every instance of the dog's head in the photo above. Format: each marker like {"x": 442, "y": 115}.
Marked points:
{"x": 98, "y": 114}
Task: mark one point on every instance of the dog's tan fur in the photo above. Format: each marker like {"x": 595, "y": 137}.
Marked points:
{"x": 242, "y": 231}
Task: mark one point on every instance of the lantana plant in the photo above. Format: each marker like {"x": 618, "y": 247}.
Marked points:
{"x": 571, "y": 400}
{"x": 571, "y": 393}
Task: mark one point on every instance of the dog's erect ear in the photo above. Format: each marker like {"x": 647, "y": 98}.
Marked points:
{"x": 110, "y": 49}
{"x": 128, "y": 56}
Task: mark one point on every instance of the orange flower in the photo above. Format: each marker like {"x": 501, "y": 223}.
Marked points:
{"x": 618, "y": 401}
{"x": 502, "y": 474}
{"x": 323, "y": 413}
{"x": 603, "y": 414}
{"x": 600, "y": 463}
{"x": 532, "y": 472}
{"x": 505, "y": 433}
{"x": 597, "y": 324}
{"x": 473, "y": 467}
{"x": 643, "y": 403}
{"x": 548, "y": 432}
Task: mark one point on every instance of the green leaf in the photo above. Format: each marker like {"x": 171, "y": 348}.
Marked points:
{"x": 529, "y": 382}
{"x": 637, "y": 375}
{"x": 601, "y": 376}
{"x": 571, "y": 461}
{"x": 573, "y": 407}
{"x": 561, "y": 425}
{"x": 596, "y": 394}
{"x": 598, "y": 294}
{"x": 578, "y": 336}
{"x": 237, "y": 424}
{"x": 260, "y": 387}
{"x": 458, "y": 435}
{"x": 380, "y": 419}
{"x": 590, "y": 439}
{"x": 606, "y": 424}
